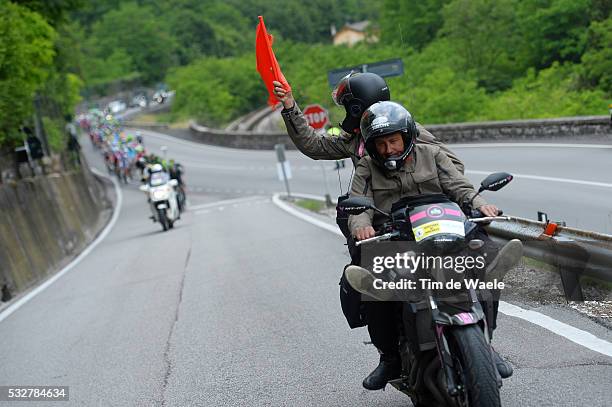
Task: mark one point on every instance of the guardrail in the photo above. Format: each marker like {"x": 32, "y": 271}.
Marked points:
{"x": 238, "y": 139}
{"x": 571, "y": 128}
{"x": 573, "y": 252}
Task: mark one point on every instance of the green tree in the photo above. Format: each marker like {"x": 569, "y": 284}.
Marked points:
{"x": 136, "y": 30}
{"x": 214, "y": 90}
{"x": 553, "y": 30}
{"x": 548, "y": 93}
{"x": 26, "y": 56}
{"x": 483, "y": 33}
{"x": 596, "y": 68}
{"x": 413, "y": 24}
{"x": 55, "y": 11}
{"x": 443, "y": 97}
{"x": 310, "y": 22}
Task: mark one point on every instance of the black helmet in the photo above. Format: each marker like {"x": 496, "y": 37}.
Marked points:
{"x": 382, "y": 119}
{"x": 356, "y": 92}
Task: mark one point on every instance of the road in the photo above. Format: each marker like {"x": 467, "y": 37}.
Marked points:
{"x": 571, "y": 197}
{"x": 238, "y": 305}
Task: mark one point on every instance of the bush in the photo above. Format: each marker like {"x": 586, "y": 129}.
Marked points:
{"x": 550, "y": 93}
{"x": 56, "y": 134}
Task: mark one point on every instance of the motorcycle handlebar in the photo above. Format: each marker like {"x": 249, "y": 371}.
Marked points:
{"x": 477, "y": 218}
{"x": 489, "y": 219}
{"x": 386, "y": 236}
{"x": 477, "y": 214}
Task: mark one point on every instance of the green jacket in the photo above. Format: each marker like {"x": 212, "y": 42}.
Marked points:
{"x": 326, "y": 147}
{"x": 427, "y": 170}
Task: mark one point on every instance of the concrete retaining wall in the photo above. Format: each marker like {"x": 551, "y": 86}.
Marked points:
{"x": 570, "y": 128}
{"x": 47, "y": 220}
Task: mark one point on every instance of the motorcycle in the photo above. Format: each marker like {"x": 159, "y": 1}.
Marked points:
{"x": 445, "y": 349}
{"x": 162, "y": 199}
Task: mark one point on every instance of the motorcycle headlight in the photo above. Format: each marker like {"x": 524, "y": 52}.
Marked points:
{"x": 160, "y": 194}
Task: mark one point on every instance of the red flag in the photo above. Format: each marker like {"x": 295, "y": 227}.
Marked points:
{"x": 267, "y": 65}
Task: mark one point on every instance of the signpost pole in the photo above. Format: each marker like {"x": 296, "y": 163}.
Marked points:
{"x": 282, "y": 162}
{"x": 328, "y": 201}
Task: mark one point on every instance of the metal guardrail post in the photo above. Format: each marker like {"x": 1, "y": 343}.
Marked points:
{"x": 571, "y": 285}
{"x": 571, "y": 261}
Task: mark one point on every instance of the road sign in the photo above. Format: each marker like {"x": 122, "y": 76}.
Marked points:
{"x": 316, "y": 116}
{"x": 282, "y": 166}
{"x": 391, "y": 67}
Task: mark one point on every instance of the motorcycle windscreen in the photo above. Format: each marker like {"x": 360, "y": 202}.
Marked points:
{"x": 437, "y": 222}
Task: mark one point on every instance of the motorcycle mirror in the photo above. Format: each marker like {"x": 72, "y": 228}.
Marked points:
{"x": 144, "y": 188}
{"x": 173, "y": 182}
{"x": 495, "y": 181}
{"x": 356, "y": 205}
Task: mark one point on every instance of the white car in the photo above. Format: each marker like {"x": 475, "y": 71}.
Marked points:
{"x": 116, "y": 106}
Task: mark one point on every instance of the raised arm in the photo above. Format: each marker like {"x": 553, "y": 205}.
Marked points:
{"x": 315, "y": 146}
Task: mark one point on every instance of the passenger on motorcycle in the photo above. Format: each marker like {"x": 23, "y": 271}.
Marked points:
{"x": 398, "y": 167}
{"x": 355, "y": 93}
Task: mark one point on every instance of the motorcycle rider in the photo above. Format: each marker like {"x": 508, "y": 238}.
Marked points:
{"x": 156, "y": 175}
{"x": 176, "y": 172}
{"x": 355, "y": 92}
{"x": 396, "y": 167}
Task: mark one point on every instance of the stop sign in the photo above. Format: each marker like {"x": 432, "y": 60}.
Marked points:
{"x": 316, "y": 116}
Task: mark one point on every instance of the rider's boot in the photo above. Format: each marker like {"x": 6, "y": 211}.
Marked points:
{"x": 362, "y": 280}
{"x": 504, "y": 368}
{"x": 390, "y": 367}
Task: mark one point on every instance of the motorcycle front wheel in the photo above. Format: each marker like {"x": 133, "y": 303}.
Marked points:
{"x": 163, "y": 219}
{"x": 477, "y": 370}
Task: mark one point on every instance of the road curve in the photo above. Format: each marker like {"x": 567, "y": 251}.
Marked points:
{"x": 238, "y": 305}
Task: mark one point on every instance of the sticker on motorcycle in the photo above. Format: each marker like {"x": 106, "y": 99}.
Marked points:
{"x": 437, "y": 227}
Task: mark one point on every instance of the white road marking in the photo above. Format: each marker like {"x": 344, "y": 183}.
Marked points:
{"x": 584, "y": 338}
{"x": 543, "y": 145}
{"x": 288, "y": 208}
{"x": 224, "y": 202}
{"x": 569, "y": 332}
{"x": 27, "y": 297}
{"x": 552, "y": 179}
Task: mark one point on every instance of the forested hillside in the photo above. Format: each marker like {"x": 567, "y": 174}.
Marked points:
{"x": 464, "y": 60}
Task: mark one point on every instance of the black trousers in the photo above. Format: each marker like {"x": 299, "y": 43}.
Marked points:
{"x": 382, "y": 326}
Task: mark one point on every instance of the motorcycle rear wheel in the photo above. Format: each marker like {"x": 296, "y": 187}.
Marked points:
{"x": 478, "y": 370}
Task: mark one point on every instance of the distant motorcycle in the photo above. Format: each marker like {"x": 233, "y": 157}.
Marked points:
{"x": 444, "y": 340}
{"x": 162, "y": 199}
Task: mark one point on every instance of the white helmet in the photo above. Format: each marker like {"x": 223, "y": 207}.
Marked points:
{"x": 156, "y": 168}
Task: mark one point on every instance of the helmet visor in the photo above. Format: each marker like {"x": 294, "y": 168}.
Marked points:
{"x": 342, "y": 92}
